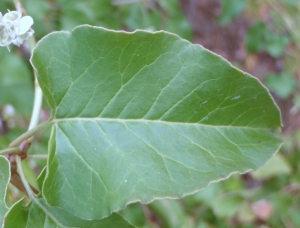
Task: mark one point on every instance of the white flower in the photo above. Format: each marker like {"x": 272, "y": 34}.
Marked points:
{"x": 11, "y": 17}
{"x": 6, "y": 35}
{"x": 15, "y": 29}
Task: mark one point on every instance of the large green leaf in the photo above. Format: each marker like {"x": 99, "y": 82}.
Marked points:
{"x": 4, "y": 180}
{"x": 139, "y": 116}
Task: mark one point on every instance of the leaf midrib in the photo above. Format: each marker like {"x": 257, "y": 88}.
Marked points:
{"x": 93, "y": 119}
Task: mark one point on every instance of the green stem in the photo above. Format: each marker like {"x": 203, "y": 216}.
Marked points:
{"x": 10, "y": 150}
{"x": 23, "y": 178}
{"x": 38, "y": 94}
{"x": 28, "y": 134}
{"x": 37, "y": 105}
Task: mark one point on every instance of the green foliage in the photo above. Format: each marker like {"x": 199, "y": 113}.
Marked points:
{"x": 65, "y": 15}
{"x": 275, "y": 167}
{"x": 260, "y": 38}
{"x": 125, "y": 135}
{"x": 282, "y": 85}
{"x": 231, "y": 9}
{"x": 39, "y": 214}
{"x": 119, "y": 97}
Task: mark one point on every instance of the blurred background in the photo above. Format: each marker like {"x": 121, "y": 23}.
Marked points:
{"x": 261, "y": 37}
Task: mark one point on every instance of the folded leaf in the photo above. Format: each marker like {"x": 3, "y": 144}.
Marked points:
{"x": 139, "y": 116}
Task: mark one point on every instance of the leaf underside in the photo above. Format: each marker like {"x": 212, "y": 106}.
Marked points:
{"x": 139, "y": 116}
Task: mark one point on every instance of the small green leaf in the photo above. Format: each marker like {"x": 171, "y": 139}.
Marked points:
{"x": 282, "y": 85}
{"x": 38, "y": 214}
{"x": 135, "y": 214}
{"x": 226, "y": 205}
{"x": 260, "y": 38}
{"x": 139, "y": 116}
{"x": 231, "y": 9}
{"x": 275, "y": 167}
{"x": 170, "y": 213}
{"x": 255, "y": 37}
{"x": 276, "y": 44}
{"x": 4, "y": 180}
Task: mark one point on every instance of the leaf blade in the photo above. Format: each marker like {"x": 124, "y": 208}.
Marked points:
{"x": 143, "y": 103}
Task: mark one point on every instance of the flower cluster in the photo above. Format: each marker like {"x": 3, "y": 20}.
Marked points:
{"x": 14, "y": 28}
